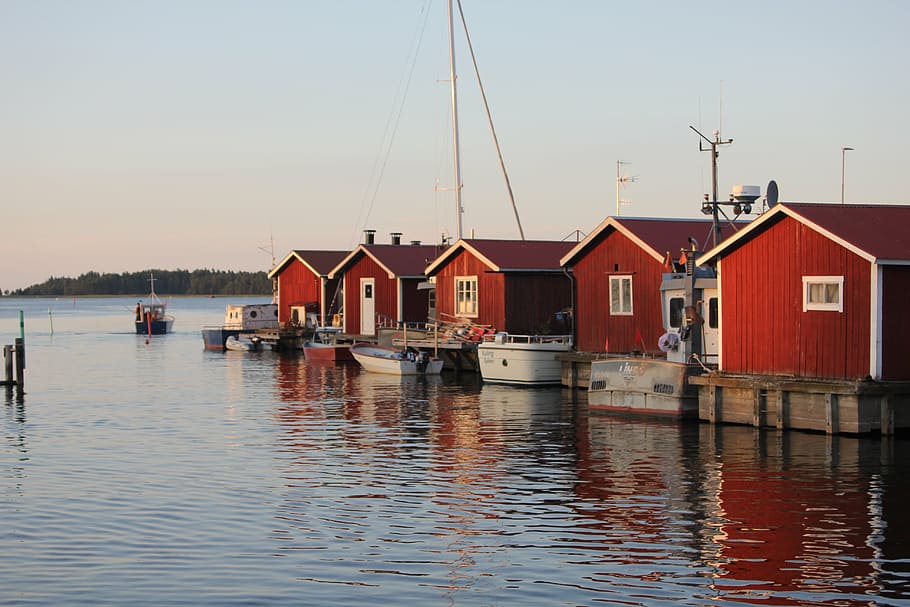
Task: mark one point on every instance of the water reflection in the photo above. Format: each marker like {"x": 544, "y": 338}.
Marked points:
{"x": 464, "y": 489}
{"x": 799, "y": 516}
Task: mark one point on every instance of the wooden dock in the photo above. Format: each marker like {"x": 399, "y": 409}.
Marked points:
{"x": 783, "y": 402}
{"x": 829, "y": 406}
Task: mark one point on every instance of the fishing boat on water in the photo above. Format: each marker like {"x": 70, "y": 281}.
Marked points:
{"x": 151, "y": 317}
{"x": 327, "y": 345}
{"x": 395, "y": 361}
{"x": 240, "y": 321}
{"x": 646, "y": 384}
{"x": 524, "y": 360}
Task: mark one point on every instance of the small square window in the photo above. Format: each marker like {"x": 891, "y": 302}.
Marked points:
{"x": 823, "y": 293}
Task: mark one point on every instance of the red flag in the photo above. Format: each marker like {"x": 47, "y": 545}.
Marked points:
{"x": 607, "y": 343}
{"x": 639, "y": 339}
{"x": 683, "y": 258}
{"x": 668, "y": 263}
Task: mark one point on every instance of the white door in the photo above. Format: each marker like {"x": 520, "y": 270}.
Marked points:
{"x": 367, "y": 306}
{"x": 711, "y": 313}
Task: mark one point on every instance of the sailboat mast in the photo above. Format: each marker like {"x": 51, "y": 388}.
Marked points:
{"x": 457, "y": 157}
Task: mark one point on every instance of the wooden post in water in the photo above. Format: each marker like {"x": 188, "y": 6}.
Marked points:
{"x": 8, "y": 363}
{"x": 20, "y": 366}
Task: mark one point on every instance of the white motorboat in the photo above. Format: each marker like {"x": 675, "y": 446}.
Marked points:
{"x": 395, "y": 361}
{"x": 526, "y": 360}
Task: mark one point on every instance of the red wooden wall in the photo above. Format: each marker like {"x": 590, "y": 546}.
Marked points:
{"x": 764, "y": 329}
{"x": 896, "y": 323}
{"x": 532, "y": 301}
{"x": 297, "y": 286}
{"x": 385, "y": 293}
{"x": 490, "y": 291}
{"x": 615, "y": 255}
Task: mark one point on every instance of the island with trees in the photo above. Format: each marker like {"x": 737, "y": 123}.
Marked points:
{"x": 167, "y": 282}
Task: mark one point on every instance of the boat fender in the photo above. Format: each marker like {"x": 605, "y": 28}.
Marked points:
{"x": 668, "y": 341}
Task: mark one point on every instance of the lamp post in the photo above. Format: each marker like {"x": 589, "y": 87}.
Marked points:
{"x": 843, "y": 157}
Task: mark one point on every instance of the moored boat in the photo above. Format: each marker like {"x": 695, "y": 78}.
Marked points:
{"x": 325, "y": 346}
{"x": 659, "y": 385}
{"x": 240, "y": 319}
{"x": 152, "y": 318}
{"x": 394, "y": 361}
{"x": 526, "y": 360}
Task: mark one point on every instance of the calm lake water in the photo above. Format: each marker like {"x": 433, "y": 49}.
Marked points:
{"x": 156, "y": 473}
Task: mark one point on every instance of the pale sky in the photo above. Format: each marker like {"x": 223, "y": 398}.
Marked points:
{"x": 188, "y": 134}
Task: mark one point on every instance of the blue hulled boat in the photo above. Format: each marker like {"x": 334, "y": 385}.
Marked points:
{"x": 152, "y": 317}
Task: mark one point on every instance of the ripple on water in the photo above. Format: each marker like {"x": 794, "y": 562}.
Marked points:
{"x": 161, "y": 474}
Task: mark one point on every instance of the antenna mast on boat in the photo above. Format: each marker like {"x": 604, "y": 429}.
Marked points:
{"x": 459, "y": 209}
{"x": 714, "y": 202}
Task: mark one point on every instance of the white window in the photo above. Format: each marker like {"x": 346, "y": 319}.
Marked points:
{"x": 823, "y": 293}
{"x": 621, "y": 295}
{"x": 466, "y": 295}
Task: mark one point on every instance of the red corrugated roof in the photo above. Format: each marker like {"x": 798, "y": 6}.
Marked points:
{"x": 877, "y": 232}
{"x": 508, "y": 255}
{"x": 522, "y": 255}
{"x": 402, "y": 261}
{"x": 321, "y": 261}
{"x": 664, "y": 235}
{"x": 405, "y": 259}
{"x": 882, "y": 231}
{"x": 659, "y": 235}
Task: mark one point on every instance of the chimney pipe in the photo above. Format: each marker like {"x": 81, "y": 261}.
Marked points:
{"x": 415, "y": 242}
{"x": 369, "y": 236}
{"x": 396, "y": 237}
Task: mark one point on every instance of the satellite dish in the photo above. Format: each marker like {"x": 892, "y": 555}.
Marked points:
{"x": 771, "y": 194}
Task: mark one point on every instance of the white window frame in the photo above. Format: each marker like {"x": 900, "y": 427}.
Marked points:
{"x": 618, "y": 310}
{"x": 827, "y": 306}
{"x": 470, "y": 309}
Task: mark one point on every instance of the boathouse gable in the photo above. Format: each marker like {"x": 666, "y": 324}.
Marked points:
{"x": 303, "y": 283}
{"x": 625, "y": 255}
{"x": 386, "y": 277}
{"x": 516, "y": 286}
{"x": 817, "y": 291}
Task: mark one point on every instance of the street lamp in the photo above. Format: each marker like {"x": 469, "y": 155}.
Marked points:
{"x": 843, "y": 155}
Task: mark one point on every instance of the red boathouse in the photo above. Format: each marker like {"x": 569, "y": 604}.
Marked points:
{"x": 817, "y": 290}
{"x": 304, "y": 286}
{"x": 617, "y": 273}
{"x": 814, "y": 324}
{"x": 516, "y": 286}
{"x": 381, "y": 282}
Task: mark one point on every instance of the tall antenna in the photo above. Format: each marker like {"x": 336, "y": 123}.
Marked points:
{"x": 620, "y": 181}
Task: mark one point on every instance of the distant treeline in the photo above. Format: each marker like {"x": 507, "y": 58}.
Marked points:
{"x": 167, "y": 282}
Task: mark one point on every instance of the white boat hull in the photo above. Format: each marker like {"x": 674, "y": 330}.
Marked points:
{"x": 392, "y": 361}
{"x": 643, "y": 386}
{"x": 242, "y": 344}
{"x": 522, "y": 359}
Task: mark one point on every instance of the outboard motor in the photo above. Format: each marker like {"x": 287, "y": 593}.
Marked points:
{"x": 423, "y": 359}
